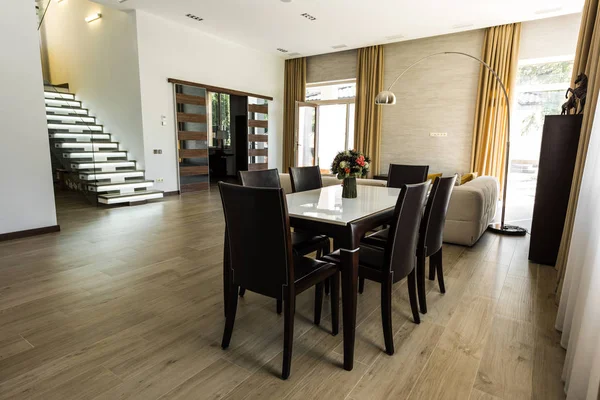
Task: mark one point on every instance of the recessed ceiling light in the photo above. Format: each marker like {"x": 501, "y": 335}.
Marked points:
{"x": 308, "y": 16}
{"x": 462, "y": 26}
{"x": 194, "y": 17}
{"x": 339, "y": 46}
{"x": 548, "y": 10}
{"x": 282, "y": 50}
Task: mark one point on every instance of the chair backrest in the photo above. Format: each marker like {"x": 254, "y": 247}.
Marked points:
{"x": 258, "y": 231}
{"x": 401, "y": 247}
{"x": 434, "y": 219}
{"x": 399, "y": 175}
{"x": 268, "y": 178}
{"x": 305, "y": 178}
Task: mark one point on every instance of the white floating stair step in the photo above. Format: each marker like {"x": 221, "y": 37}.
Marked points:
{"x": 85, "y": 137}
{"x": 87, "y": 146}
{"x": 66, "y": 111}
{"x": 117, "y": 176}
{"x": 58, "y": 95}
{"x": 75, "y": 127}
{"x": 71, "y": 118}
{"x": 105, "y": 166}
{"x": 63, "y": 103}
{"x": 96, "y": 155}
{"x": 123, "y": 187}
{"x": 130, "y": 197}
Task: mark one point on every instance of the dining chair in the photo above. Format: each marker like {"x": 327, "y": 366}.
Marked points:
{"x": 305, "y": 178}
{"x": 431, "y": 237}
{"x": 396, "y": 260}
{"x": 399, "y": 175}
{"x": 302, "y": 243}
{"x": 262, "y": 261}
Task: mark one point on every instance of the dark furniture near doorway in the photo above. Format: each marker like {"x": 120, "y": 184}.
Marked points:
{"x": 560, "y": 141}
{"x": 260, "y": 259}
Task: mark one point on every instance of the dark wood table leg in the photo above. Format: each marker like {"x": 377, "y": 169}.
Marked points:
{"x": 349, "y": 271}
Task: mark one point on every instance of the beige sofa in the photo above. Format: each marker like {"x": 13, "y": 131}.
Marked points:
{"x": 472, "y": 206}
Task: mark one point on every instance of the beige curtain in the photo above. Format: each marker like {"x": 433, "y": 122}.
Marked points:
{"x": 586, "y": 61}
{"x": 500, "y": 51}
{"x": 294, "y": 90}
{"x": 367, "y": 119}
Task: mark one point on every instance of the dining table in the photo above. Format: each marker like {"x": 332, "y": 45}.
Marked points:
{"x": 346, "y": 221}
{"x": 324, "y": 211}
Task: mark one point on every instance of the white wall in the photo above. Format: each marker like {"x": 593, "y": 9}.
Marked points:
{"x": 99, "y": 62}
{"x": 169, "y": 50}
{"x": 550, "y": 37}
{"x": 27, "y": 198}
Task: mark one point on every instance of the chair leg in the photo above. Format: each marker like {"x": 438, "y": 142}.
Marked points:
{"x": 242, "y": 291}
{"x": 412, "y": 295}
{"x": 361, "y": 285}
{"x": 437, "y": 260}
{"x": 327, "y": 286}
{"x": 421, "y": 282}
{"x": 386, "y": 315}
{"x": 288, "y": 335}
{"x": 335, "y": 303}
{"x": 318, "y": 302}
{"x": 279, "y": 306}
{"x": 230, "y": 316}
{"x": 431, "y": 269}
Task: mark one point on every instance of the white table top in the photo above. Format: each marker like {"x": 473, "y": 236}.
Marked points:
{"x": 326, "y": 204}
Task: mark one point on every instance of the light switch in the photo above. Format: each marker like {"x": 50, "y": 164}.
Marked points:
{"x": 163, "y": 120}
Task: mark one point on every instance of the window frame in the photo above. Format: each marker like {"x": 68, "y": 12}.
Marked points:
{"x": 348, "y": 101}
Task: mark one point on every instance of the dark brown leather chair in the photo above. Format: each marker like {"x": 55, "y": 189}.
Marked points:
{"x": 261, "y": 259}
{"x": 397, "y": 259}
{"x": 305, "y": 178}
{"x": 431, "y": 237}
{"x": 302, "y": 243}
{"x": 399, "y": 175}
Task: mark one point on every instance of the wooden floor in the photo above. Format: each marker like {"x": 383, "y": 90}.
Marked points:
{"x": 126, "y": 303}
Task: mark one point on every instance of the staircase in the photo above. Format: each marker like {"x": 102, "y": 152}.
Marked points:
{"x": 93, "y": 162}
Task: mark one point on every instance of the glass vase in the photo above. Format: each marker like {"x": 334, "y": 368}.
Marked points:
{"x": 349, "y": 188}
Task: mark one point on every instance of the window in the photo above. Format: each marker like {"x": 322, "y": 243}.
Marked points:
{"x": 335, "y": 118}
{"x": 220, "y": 126}
{"x": 540, "y": 91}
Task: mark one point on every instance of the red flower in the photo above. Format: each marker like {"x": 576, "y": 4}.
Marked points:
{"x": 347, "y": 170}
{"x": 361, "y": 161}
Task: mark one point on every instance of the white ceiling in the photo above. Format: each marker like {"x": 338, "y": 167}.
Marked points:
{"x": 270, "y": 24}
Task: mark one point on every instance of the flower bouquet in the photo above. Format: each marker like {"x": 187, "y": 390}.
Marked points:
{"x": 349, "y": 165}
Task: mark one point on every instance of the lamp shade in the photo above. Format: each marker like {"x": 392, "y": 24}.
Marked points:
{"x": 385, "y": 97}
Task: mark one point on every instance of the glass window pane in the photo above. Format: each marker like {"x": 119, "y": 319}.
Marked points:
{"x": 332, "y": 134}
{"x": 305, "y": 152}
{"x": 338, "y": 91}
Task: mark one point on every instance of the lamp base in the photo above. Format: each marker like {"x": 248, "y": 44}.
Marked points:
{"x": 508, "y": 230}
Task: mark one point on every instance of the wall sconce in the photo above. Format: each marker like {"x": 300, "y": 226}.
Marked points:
{"x": 93, "y": 17}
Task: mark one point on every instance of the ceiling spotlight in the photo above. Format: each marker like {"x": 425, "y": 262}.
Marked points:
{"x": 93, "y": 17}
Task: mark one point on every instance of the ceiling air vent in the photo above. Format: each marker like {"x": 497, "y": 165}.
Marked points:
{"x": 282, "y": 50}
{"x": 308, "y": 16}
{"x": 339, "y": 46}
{"x": 192, "y": 16}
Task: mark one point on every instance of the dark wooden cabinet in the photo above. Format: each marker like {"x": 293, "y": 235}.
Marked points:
{"x": 555, "y": 175}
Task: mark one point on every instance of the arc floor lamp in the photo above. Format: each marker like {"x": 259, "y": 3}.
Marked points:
{"x": 387, "y": 97}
